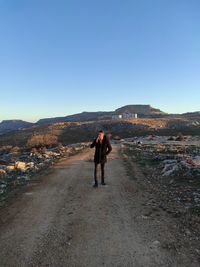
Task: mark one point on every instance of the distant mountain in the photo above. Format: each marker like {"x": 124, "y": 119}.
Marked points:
{"x": 13, "y": 125}
{"x": 79, "y": 117}
{"x": 191, "y": 113}
{"x": 139, "y": 109}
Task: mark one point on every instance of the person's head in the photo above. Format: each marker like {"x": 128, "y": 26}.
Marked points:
{"x": 101, "y": 135}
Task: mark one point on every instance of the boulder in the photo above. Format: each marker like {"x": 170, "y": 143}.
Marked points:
{"x": 20, "y": 165}
{"x": 10, "y": 168}
{"x": 167, "y": 168}
{"x": 30, "y": 165}
{"x": 170, "y": 171}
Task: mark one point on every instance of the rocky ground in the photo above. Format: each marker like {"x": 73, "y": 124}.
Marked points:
{"x": 172, "y": 172}
{"x": 18, "y": 165}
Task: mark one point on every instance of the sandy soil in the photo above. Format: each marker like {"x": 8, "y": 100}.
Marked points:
{"x": 61, "y": 220}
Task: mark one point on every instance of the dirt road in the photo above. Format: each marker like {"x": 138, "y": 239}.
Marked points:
{"x": 62, "y": 221}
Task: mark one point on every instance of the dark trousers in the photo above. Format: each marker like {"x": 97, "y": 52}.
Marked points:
{"x": 96, "y": 172}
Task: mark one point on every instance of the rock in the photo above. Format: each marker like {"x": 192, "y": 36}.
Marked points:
{"x": 30, "y": 165}
{"x": 167, "y": 168}
{"x": 171, "y": 171}
{"x": 3, "y": 185}
{"x": 20, "y": 165}
{"x": 24, "y": 178}
{"x": 144, "y": 217}
{"x": 77, "y": 148}
{"x": 187, "y": 232}
{"x": 51, "y": 153}
{"x": 41, "y": 165}
{"x": 185, "y": 164}
{"x": 170, "y": 161}
{"x": 10, "y": 168}
{"x": 197, "y": 251}
{"x": 36, "y": 168}
{"x": 156, "y": 243}
{"x": 46, "y": 156}
{"x": 40, "y": 156}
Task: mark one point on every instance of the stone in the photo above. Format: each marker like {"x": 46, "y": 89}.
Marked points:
{"x": 3, "y": 186}
{"x": 156, "y": 243}
{"x": 170, "y": 161}
{"x": 10, "y": 168}
{"x": 24, "y": 178}
{"x": 171, "y": 171}
{"x": 51, "y": 153}
{"x": 41, "y": 165}
{"x": 20, "y": 165}
{"x": 30, "y": 165}
{"x": 167, "y": 168}
{"x": 144, "y": 217}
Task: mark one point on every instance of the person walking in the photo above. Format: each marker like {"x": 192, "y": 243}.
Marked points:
{"x": 102, "y": 149}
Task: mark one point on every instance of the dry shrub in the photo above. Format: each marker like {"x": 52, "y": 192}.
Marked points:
{"x": 41, "y": 140}
{"x": 15, "y": 149}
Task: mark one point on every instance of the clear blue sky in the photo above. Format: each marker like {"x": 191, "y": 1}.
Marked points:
{"x": 59, "y": 57}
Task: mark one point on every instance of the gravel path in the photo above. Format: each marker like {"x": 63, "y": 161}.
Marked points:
{"x": 62, "y": 221}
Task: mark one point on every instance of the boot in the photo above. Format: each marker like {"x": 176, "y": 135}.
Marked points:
{"x": 102, "y": 181}
{"x": 95, "y": 184}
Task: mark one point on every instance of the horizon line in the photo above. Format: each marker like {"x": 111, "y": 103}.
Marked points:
{"x": 36, "y": 120}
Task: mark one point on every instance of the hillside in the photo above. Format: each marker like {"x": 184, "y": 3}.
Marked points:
{"x": 82, "y": 126}
{"x": 84, "y": 116}
{"x": 13, "y": 125}
{"x": 72, "y": 132}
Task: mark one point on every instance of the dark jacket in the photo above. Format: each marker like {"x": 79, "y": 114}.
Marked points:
{"x": 101, "y": 150}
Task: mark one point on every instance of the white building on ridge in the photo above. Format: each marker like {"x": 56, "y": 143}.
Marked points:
{"x": 125, "y": 116}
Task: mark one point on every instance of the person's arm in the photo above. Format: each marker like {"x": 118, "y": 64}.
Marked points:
{"x": 109, "y": 147}
{"x": 93, "y": 143}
